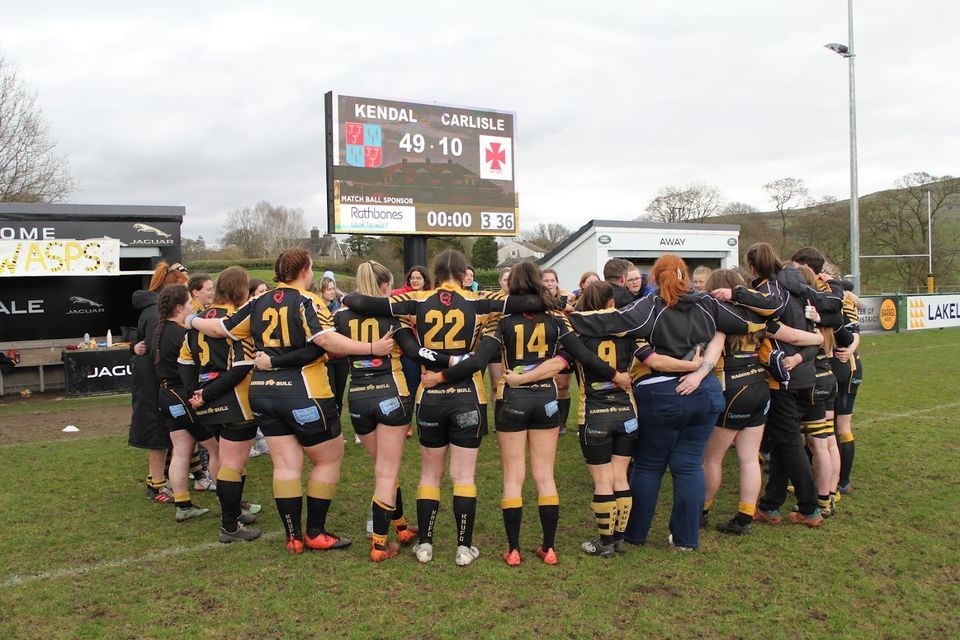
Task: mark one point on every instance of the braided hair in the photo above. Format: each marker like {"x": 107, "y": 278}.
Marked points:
{"x": 171, "y": 297}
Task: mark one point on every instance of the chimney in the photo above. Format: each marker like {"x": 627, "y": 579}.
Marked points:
{"x": 314, "y": 234}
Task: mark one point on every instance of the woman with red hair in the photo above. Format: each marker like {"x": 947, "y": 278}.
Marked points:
{"x": 680, "y": 414}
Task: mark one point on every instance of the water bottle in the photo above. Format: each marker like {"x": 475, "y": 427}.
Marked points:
{"x": 109, "y": 338}
{"x": 86, "y": 340}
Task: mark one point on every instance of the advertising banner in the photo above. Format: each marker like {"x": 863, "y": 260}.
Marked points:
{"x": 933, "y": 312}
{"x": 59, "y": 257}
{"x": 878, "y": 314}
{"x": 50, "y": 307}
{"x": 128, "y": 232}
{"x": 413, "y": 168}
{"x": 88, "y": 372}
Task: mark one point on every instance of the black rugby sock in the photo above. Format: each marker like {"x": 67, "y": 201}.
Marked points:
{"x": 512, "y": 509}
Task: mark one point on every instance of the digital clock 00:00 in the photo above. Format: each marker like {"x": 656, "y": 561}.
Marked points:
{"x": 464, "y": 220}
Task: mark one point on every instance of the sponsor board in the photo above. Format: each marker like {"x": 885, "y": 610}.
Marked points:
{"x": 452, "y": 166}
{"x": 59, "y": 257}
{"x": 933, "y": 312}
{"x": 97, "y": 371}
{"x": 140, "y": 234}
{"x": 878, "y": 314}
{"x": 49, "y": 307}
{"x": 376, "y": 219}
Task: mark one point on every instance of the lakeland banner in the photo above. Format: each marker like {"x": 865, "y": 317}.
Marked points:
{"x": 933, "y": 312}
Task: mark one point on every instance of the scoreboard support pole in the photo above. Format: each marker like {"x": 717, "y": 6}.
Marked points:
{"x": 414, "y": 251}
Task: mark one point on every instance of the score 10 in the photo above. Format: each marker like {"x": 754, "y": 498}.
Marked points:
{"x": 416, "y": 143}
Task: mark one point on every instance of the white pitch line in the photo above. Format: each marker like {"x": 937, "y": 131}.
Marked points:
{"x": 17, "y": 581}
{"x": 883, "y": 417}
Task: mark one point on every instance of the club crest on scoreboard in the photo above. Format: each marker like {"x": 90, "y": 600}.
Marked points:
{"x": 496, "y": 158}
{"x": 364, "y": 144}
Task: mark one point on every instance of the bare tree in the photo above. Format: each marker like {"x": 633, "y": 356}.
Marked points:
{"x": 546, "y": 235}
{"x": 895, "y": 222}
{"x": 692, "y": 203}
{"x": 738, "y": 208}
{"x": 264, "y": 230}
{"x": 30, "y": 169}
{"x": 787, "y": 194}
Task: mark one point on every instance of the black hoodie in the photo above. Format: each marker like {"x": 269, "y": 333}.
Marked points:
{"x": 146, "y": 303}
{"x": 672, "y": 331}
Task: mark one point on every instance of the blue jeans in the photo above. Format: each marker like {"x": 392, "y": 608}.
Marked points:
{"x": 674, "y": 430}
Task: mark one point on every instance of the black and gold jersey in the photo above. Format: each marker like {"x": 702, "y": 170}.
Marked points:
{"x": 527, "y": 340}
{"x": 621, "y": 353}
{"x": 448, "y": 319}
{"x": 280, "y": 322}
{"x": 171, "y": 340}
{"x": 740, "y": 364}
{"x": 222, "y": 368}
{"x": 370, "y": 374}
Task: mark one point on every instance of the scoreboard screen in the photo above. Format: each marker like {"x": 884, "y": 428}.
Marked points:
{"x": 419, "y": 169}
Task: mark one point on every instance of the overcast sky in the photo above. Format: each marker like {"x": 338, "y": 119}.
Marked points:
{"x": 217, "y": 105}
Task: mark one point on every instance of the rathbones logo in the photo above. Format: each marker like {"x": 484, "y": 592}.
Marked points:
{"x": 116, "y": 371}
{"x": 84, "y": 305}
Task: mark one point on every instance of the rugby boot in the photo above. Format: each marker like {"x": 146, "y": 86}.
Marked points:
{"x": 466, "y": 555}
{"x": 324, "y": 541}
{"x": 512, "y": 557}
{"x": 423, "y": 551}
{"x": 294, "y": 546}
{"x": 549, "y": 556}
{"x": 734, "y": 528}
{"x": 242, "y": 534}
{"x": 193, "y": 511}
{"x": 767, "y": 517}
{"x": 814, "y": 520}
{"x": 597, "y": 548}
{"x": 380, "y": 553}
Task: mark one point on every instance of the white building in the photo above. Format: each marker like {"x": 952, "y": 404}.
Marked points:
{"x": 514, "y": 251}
{"x": 712, "y": 245}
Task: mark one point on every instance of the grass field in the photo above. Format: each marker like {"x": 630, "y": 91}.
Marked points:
{"x": 84, "y": 555}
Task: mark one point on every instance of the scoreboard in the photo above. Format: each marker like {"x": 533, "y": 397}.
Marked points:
{"x": 410, "y": 168}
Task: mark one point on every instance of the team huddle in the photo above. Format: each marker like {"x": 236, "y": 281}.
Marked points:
{"x": 670, "y": 375}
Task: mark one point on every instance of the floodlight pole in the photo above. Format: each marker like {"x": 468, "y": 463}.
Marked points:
{"x": 854, "y": 197}
{"x": 931, "y": 284}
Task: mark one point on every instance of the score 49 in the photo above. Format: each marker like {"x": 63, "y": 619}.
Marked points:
{"x": 416, "y": 143}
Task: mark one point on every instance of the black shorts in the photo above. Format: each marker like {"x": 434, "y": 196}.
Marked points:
{"x": 602, "y": 439}
{"x": 234, "y": 431}
{"x": 520, "y": 411}
{"x": 746, "y": 406}
{"x": 460, "y": 425}
{"x": 847, "y": 385}
{"x": 311, "y": 420}
{"x": 199, "y": 432}
{"x": 367, "y": 412}
{"x": 826, "y": 388}
{"x": 179, "y": 416}
{"x": 813, "y": 408}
